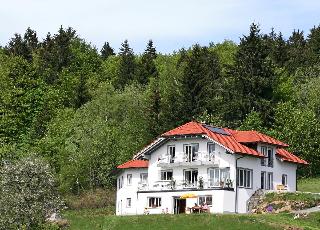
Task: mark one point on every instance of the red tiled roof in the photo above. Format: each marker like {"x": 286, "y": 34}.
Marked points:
{"x": 287, "y": 156}
{"x": 227, "y": 141}
{"x": 134, "y": 164}
{"x": 255, "y": 136}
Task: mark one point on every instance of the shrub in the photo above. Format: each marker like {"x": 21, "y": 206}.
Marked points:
{"x": 97, "y": 198}
{"x": 28, "y": 194}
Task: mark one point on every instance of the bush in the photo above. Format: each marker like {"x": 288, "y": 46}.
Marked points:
{"x": 97, "y": 198}
{"x": 28, "y": 194}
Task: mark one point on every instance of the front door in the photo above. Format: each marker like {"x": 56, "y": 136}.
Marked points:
{"x": 179, "y": 205}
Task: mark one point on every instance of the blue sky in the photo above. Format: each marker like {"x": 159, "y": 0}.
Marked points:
{"x": 172, "y": 24}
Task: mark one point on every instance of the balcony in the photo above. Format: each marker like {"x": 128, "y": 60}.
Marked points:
{"x": 182, "y": 159}
{"x": 186, "y": 185}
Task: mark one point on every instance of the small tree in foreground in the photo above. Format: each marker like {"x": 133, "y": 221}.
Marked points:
{"x": 27, "y": 194}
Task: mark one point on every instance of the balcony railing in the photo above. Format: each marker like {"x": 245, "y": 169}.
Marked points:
{"x": 185, "y": 185}
{"x": 197, "y": 158}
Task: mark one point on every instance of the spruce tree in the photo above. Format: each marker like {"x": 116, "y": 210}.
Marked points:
{"x": 296, "y": 51}
{"x": 17, "y": 46}
{"x": 251, "y": 78}
{"x": 106, "y": 51}
{"x": 147, "y": 67}
{"x": 313, "y": 45}
{"x": 127, "y": 66}
{"x": 31, "y": 39}
{"x": 199, "y": 83}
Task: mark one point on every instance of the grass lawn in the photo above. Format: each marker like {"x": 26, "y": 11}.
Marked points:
{"x": 101, "y": 219}
{"x": 309, "y": 185}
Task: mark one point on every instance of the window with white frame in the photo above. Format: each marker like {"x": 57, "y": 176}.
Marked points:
{"x": 166, "y": 175}
{"x": 129, "y": 179}
{"x": 269, "y": 181}
{"x": 190, "y": 177}
{"x": 263, "y": 180}
{"x": 211, "y": 149}
{"x": 207, "y": 199}
{"x": 171, "y": 153}
{"x": 268, "y": 156}
{"x": 218, "y": 176}
{"x": 154, "y": 202}
{"x": 143, "y": 178}
{"x": 244, "y": 178}
{"x": 264, "y": 153}
{"x": 191, "y": 152}
{"x": 128, "y": 202}
{"x": 284, "y": 179}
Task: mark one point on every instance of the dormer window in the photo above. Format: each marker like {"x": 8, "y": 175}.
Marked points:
{"x": 268, "y": 159}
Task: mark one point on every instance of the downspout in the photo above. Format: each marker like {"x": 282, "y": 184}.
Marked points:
{"x": 236, "y": 183}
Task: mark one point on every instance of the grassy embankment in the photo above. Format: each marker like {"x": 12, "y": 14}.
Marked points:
{"x": 104, "y": 218}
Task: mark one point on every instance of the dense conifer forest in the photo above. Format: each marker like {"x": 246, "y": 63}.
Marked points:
{"x": 86, "y": 110}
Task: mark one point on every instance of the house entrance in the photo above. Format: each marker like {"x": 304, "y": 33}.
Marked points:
{"x": 179, "y": 205}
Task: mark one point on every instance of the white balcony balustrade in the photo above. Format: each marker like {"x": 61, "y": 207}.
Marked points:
{"x": 186, "y": 185}
{"x": 197, "y": 158}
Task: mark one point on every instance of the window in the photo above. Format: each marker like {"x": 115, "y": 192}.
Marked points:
{"x": 284, "y": 179}
{"x": 268, "y": 159}
{"x": 128, "y": 202}
{"x": 191, "y": 152}
{"x": 264, "y": 152}
{"x": 211, "y": 149}
{"x": 166, "y": 175}
{"x": 191, "y": 177}
{"x": 263, "y": 180}
{"x": 171, "y": 153}
{"x": 129, "y": 179}
{"x": 218, "y": 176}
{"x": 269, "y": 181}
{"x": 154, "y": 202}
{"x": 143, "y": 178}
{"x": 244, "y": 178}
{"x": 205, "y": 199}
{"x": 120, "y": 182}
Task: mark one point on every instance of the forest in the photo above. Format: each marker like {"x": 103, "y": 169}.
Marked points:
{"x": 86, "y": 110}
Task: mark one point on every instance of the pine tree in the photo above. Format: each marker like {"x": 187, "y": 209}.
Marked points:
{"x": 127, "y": 66}
{"x": 106, "y": 51}
{"x": 147, "y": 67}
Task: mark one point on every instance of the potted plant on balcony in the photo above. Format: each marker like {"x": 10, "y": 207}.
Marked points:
{"x": 173, "y": 183}
{"x": 229, "y": 183}
{"x": 201, "y": 182}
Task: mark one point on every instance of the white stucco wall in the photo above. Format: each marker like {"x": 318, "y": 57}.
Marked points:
{"x": 223, "y": 201}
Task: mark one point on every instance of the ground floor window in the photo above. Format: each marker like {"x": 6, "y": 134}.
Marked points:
{"x": 154, "y": 202}
{"x": 128, "y": 202}
{"x": 263, "y": 180}
{"x": 244, "y": 178}
{"x": 284, "y": 179}
{"x": 166, "y": 175}
{"x": 207, "y": 199}
{"x": 269, "y": 181}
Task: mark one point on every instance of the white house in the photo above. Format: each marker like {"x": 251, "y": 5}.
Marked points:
{"x": 197, "y": 164}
